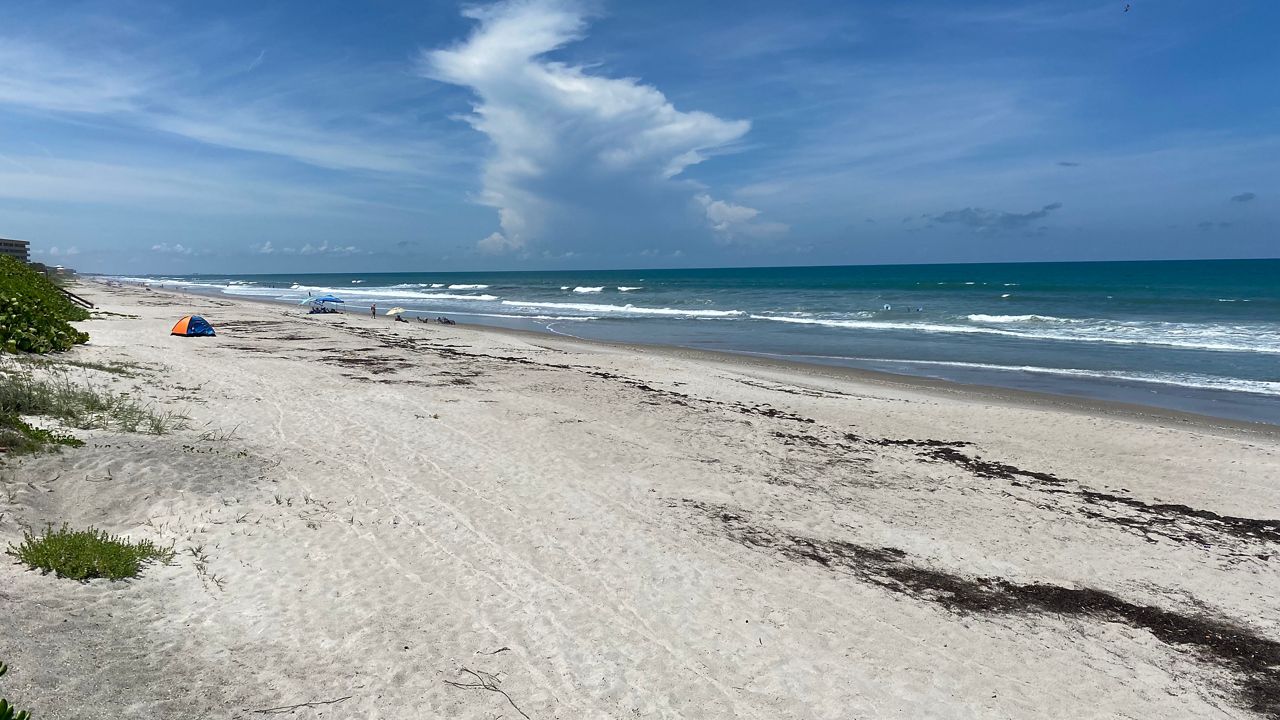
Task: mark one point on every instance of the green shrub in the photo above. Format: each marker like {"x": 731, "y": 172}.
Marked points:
{"x": 19, "y": 438}
{"x": 34, "y": 314}
{"x": 7, "y": 711}
{"x": 86, "y": 554}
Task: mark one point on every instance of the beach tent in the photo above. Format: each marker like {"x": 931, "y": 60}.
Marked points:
{"x": 192, "y": 326}
{"x": 328, "y": 299}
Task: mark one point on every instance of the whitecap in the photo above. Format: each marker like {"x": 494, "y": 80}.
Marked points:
{"x": 1191, "y": 380}
{"x": 978, "y": 318}
{"x": 624, "y": 309}
{"x": 1228, "y": 338}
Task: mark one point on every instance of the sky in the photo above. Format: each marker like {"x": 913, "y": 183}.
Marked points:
{"x": 329, "y": 136}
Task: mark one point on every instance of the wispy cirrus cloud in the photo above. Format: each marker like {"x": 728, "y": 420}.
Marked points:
{"x": 200, "y": 187}
{"x": 137, "y": 91}
{"x": 576, "y": 155}
{"x": 37, "y": 76}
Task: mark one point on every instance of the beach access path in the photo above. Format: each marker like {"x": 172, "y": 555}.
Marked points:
{"x": 401, "y": 520}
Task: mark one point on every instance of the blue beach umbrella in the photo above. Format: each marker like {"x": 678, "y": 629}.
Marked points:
{"x": 328, "y": 299}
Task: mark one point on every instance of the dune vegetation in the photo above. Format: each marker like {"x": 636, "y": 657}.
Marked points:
{"x": 35, "y": 316}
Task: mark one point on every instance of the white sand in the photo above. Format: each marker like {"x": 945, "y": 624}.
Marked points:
{"x": 614, "y": 533}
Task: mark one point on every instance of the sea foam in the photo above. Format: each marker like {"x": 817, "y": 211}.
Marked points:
{"x": 1225, "y": 338}
{"x": 625, "y": 309}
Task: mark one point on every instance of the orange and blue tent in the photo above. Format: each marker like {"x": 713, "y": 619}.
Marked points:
{"x": 192, "y": 326}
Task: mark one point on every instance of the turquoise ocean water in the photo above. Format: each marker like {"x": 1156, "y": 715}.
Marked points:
{"x": 1202, "y": 336}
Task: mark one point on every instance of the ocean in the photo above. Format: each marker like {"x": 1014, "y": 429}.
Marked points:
{"x": 1199, "y": 336}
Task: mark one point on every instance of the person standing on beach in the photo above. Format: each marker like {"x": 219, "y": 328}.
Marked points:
{"x": 373, "y": 310}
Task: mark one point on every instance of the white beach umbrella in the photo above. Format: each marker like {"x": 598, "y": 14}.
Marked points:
{"x": 396, "y": 311}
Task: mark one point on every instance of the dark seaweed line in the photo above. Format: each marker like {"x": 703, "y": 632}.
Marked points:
{"x": 1162, "y": 518}
{"x": 1177, "y": 522}
{"x": 1255, "y": 660}
{"x": 675, "y": 397}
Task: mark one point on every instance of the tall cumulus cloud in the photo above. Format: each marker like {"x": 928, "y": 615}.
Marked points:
{"x": 579, "y": 158}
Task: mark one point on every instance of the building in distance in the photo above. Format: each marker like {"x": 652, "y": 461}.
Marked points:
{"x": 17, "y": 249}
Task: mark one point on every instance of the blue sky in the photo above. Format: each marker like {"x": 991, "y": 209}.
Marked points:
{"x": 331, "y": 135}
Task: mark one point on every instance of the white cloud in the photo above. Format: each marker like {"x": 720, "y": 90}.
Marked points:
{"x": 56, "y": 251}
{"x": 323, "y": 248}
{"x": 576, "y": 156}
{"x": 175, "y": 249}
{"x": 732, "y": 222}
{"x": 497, "y": 243}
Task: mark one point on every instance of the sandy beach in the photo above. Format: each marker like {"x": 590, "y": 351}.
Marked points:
{"x": 374, "y": 518}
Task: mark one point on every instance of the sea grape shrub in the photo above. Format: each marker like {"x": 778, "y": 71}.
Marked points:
{"x": 35, "y": 316}
{"x": 7, "y": 711}
{"x": 87, "y": 554}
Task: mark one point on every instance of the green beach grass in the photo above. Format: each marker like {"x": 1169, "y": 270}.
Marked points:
{"x": 79, "y": 404}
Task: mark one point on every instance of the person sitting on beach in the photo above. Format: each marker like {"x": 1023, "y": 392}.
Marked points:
{"x": 400, "y": 318}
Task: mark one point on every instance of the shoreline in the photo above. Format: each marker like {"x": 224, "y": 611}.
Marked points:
{"x": 366, "y": 511}
{"x": 1053, "y": 331}
{"x": 975, "y": 392}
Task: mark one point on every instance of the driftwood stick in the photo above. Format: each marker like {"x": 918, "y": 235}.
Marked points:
{"x": 486, "y": 681}
{"x": 290, "y": 708}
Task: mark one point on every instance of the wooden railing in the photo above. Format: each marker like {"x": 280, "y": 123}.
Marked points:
{"x": 76, "y": 298}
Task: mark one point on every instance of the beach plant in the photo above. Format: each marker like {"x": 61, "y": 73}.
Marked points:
{"x": 35, "y": 316}
{"x": 79, "y": 404}
{"x": 7, "y": 711}
{"x": 87, "y": 554}
{"x": 114, "y": 367}
{"x": 17, "y": 437}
